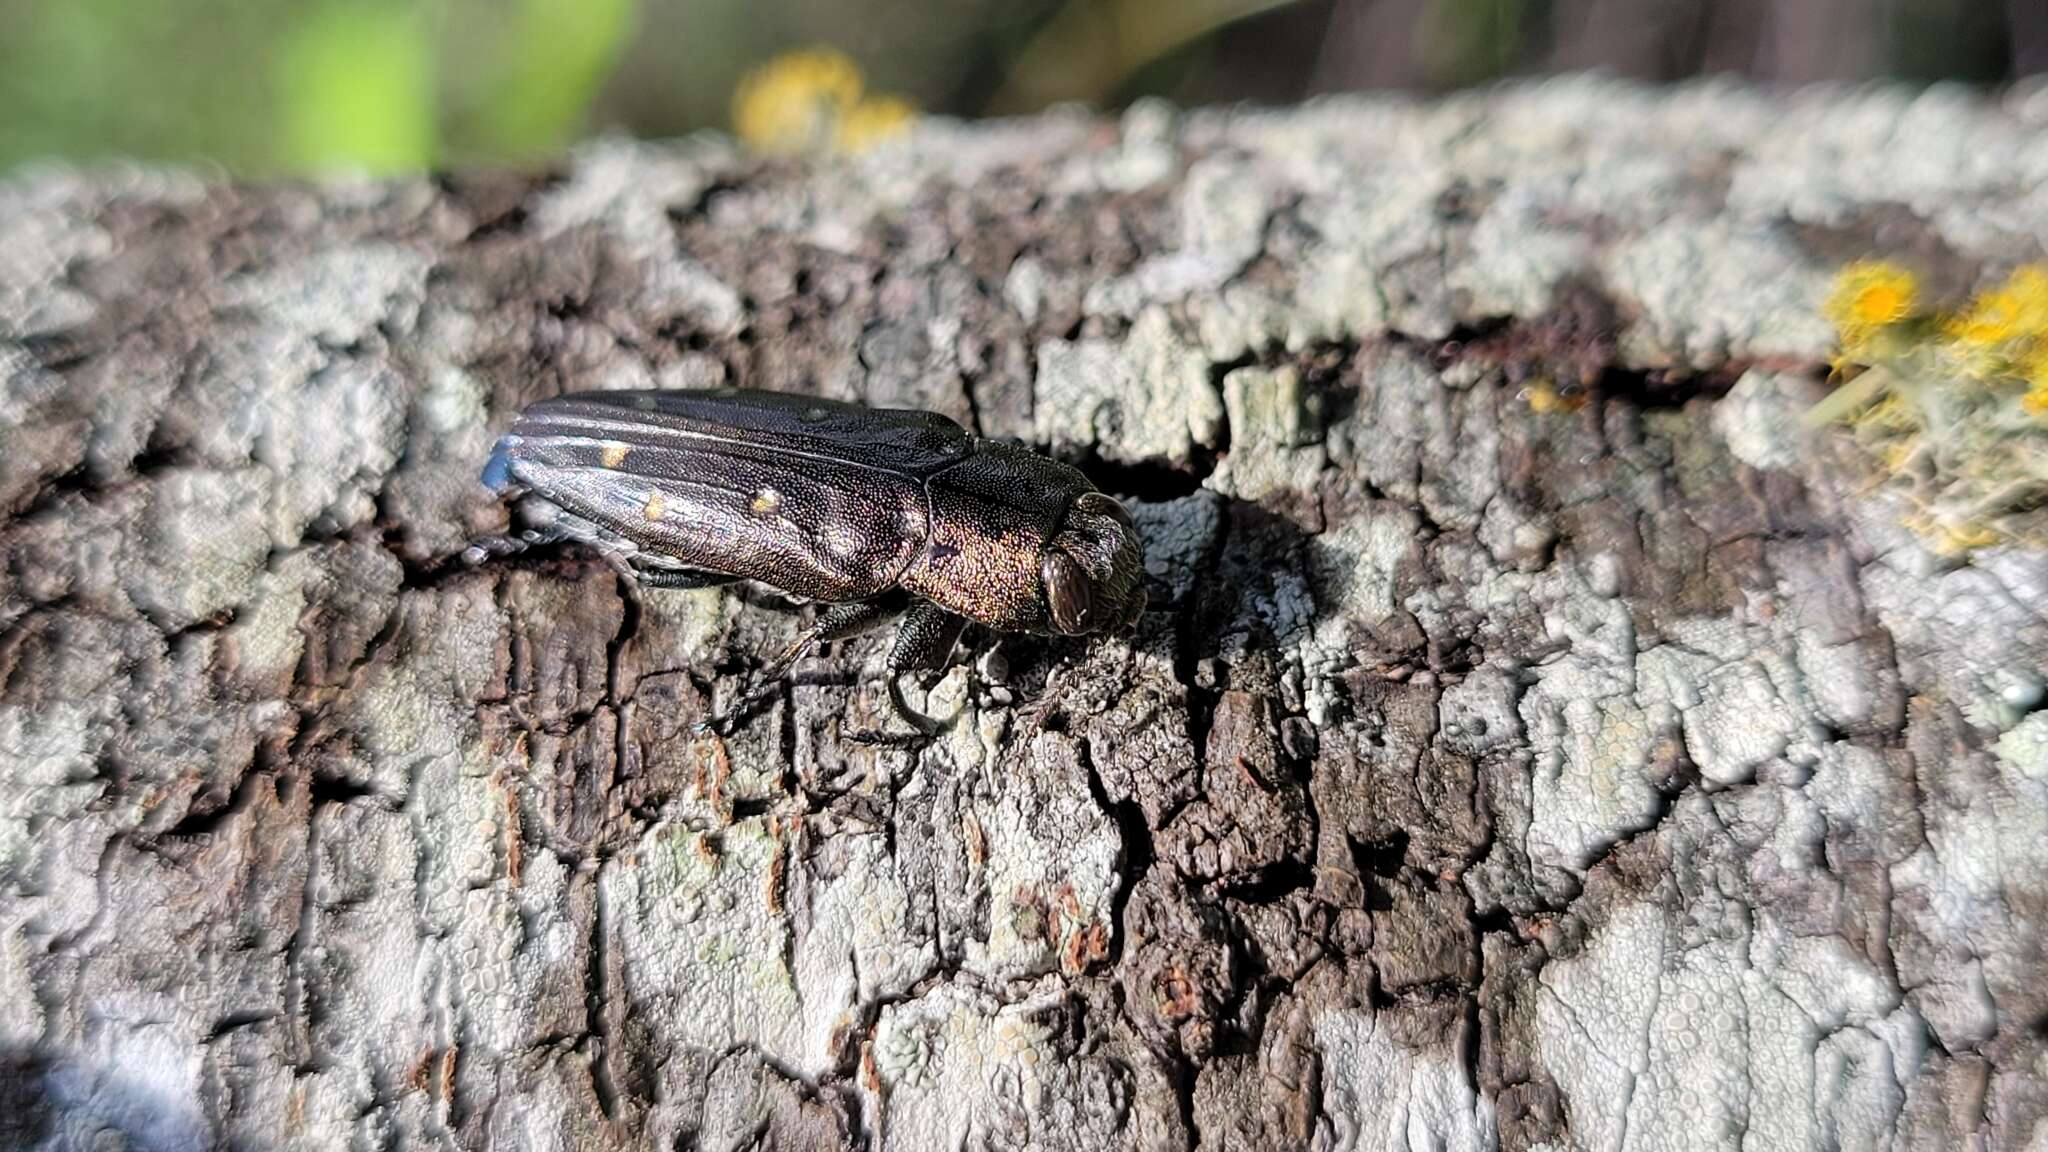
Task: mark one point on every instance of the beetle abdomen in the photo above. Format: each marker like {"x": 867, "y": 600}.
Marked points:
{"x": 739, "y": 496}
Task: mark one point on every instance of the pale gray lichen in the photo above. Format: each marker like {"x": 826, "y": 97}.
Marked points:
{"x": 1276, "y": 434}
{"x": 204, "y": 549}
{"x": 1146, "y": 397}
{"x": 1387, "y": 1095}
{"x": 1048, "y": 864}
{"x": 1712, "y": 292}
{"x": 1224, "y": 204}
{"x": 628, "y": 187}
{"x": 1760, "y": 420}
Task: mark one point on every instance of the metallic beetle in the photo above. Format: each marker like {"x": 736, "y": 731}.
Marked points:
{"x": 863, "y": 509}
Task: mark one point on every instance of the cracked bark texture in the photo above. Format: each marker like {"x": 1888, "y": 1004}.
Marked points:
{"x": 1605, "y": 773}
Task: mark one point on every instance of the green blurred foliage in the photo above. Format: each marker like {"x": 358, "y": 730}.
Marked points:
{"x": 285, "y": 87}
{"x": 356, "y": 83}
{"x": 95, "y": 77}
{"x": 527, "y": 72}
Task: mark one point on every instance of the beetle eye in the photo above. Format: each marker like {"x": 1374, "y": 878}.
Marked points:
{"x": 1068, "y": 592}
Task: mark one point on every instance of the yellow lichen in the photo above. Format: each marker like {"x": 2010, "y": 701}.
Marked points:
{"x": 814, "y": 101}
{"x": 1545, "y": 398}
{"x": 1868, "y": 297}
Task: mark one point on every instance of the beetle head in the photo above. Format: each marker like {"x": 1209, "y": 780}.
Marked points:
{"x": 1091, "y": 570}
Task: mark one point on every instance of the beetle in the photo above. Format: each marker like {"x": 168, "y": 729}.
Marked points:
{"x": 869, "y": 511}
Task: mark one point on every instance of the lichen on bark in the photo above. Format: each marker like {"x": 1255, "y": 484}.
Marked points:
{"x": 1536, "y": 739}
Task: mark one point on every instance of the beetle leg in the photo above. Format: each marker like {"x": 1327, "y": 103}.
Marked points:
{"x": 838, "y": 622}
{"x": 844, "y": 621}
{"x": 534, "y": 522}
{"x": 648, "y": 576}
{"x": 923, "y": 644}
{"x": 680, "y": 578}
{"x": 926, "y": 640}
{"x": 835, "y": 623}
{"x": 490, "y": 547}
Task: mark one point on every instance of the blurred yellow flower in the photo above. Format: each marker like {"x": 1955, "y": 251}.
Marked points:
{"x": 874, "y": 120}
{"x": 2015, "y": 310}
{"x": 2035, "y": 401}
{"x": 1869, "y": 296}
{"x": 812, "y": 101}
{"x": 2034, "y": 371}
{"x": 793, "y": 102}
{"x": 1951, "y": 405}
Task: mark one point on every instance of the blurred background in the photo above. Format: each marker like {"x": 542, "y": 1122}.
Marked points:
{"x": 286, "y": 87}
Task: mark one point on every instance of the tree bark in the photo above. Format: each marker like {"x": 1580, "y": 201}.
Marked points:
{"x": 1536, "y": 739}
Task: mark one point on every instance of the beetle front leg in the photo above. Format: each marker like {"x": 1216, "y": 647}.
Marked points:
{"x": 923, "y": 644}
